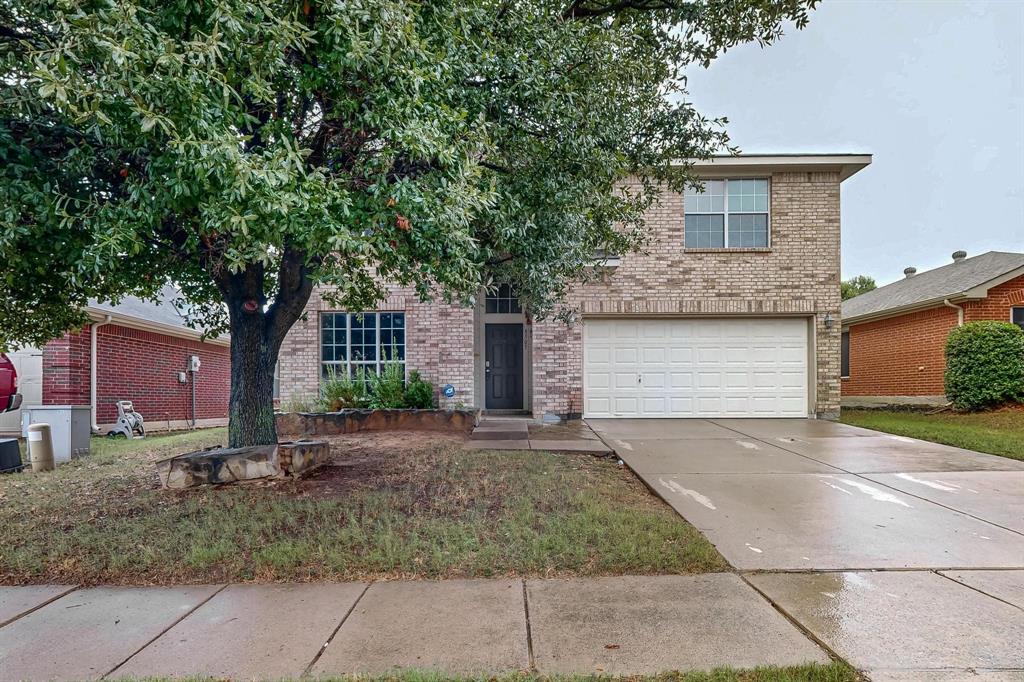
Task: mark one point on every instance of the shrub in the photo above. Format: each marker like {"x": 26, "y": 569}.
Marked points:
{"x": 300, "y": 403}
{"x": 419, "y": 393}
{"x": 985, "y": 365}
{"x": 387, "y": 389}
{"x": 341, "y": 391}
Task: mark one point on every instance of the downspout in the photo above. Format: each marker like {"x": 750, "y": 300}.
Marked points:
{"x": 959, "y": 311}
{"x": 92, "y": 370}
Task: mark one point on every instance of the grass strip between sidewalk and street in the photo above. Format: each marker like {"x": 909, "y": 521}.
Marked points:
{"x": 813, "y": 672}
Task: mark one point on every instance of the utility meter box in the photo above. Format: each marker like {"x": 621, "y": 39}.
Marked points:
{"x": 70, "y": 427}
{"x": 193, "y": 363}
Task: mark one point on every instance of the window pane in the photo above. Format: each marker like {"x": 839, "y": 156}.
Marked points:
{"x": 704, "y": 231}
{"x": 711, "y": 200}
{"x": 748, "y": 230}
{"x": 748, "y": 196}
{"x": 1018, "y": 317}
{"x": 844, "y": 369}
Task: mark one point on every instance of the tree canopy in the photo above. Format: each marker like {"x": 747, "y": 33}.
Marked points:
{"x": 855, "y": 286}
{"x": 249, "y": 150}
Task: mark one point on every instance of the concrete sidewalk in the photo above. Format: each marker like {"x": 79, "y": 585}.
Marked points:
{"x": 617, "y": 625}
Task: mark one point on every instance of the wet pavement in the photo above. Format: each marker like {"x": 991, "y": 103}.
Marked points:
{"x": 825, "y": 502}
{"x": 504, "y": 433}
{"x": 627, "y": 624}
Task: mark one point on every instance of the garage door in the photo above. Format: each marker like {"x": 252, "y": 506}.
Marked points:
{"x": 695, "y": 367}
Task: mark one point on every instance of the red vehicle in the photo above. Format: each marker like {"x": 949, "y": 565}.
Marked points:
{"x": 10, "y": 399}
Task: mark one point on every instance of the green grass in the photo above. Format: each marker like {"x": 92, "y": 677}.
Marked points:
{"x": 832, "y": 672}
{"x": 1000, "y": 432}
{"x": 395, "y": 511}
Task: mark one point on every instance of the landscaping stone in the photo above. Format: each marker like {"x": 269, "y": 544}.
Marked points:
{"x": 452, "y": 626}
{"x": 302, "y": 456}
{"x": 232, "y": 465}
{"x": 248, "y": 632}
{"x": 87, "y": 633}
{"x": 353, "y": 421}
{"x": 646, "y": 625}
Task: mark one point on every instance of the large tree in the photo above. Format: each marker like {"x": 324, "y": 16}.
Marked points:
{"x": 250, "y": 150}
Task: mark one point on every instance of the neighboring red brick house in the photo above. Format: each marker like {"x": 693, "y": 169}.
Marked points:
{"x": 894, "y": 337}
{"x": 142, "y": 352}
{"x": 731, "y": 311}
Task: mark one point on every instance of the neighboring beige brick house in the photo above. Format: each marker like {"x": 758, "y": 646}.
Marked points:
{"x": 732, "y": 310}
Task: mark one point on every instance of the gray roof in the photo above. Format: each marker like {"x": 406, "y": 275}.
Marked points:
{"x": 161, "y": 311}
{"x": 947, "y": 281}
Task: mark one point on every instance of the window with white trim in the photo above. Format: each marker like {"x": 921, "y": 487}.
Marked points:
{"x": 353, "y": 341}
{"x": 727, "y": 214}
{"x": 1017, "y": 316}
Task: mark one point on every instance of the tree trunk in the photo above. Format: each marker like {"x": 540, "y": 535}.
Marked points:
{"x": 257, "y": 331}
{"x": 251, "y": 411}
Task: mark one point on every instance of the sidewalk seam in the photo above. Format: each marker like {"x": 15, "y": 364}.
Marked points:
{"x": 320, "y": 652}
{"x": 939, "y": 572}
{"x": 165, "y": 630}
{"x": 796, "y": 623}
{"x": 39, "y": 606}
{"x": 529, "y": 630}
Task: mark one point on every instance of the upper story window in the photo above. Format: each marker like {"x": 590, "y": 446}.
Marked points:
{"x": 502, "y": 300}
{"x": 728, "y": 214}
{"x": 1017, "y": 316}
{"x": 353, "y": 341}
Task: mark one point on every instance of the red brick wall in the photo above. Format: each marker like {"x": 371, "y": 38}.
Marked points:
{"x": 996, "y": 306}
{"x": 140, "y": 366}
{"x": 905, "y": 355}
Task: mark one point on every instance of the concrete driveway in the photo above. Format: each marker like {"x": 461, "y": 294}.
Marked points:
{"x": 897, "y": 554}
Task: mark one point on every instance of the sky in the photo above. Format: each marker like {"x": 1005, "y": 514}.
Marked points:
{"x": 934, "y": 89}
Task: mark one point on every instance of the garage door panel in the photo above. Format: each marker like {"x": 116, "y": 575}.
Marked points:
{"x": 695, "y": 368}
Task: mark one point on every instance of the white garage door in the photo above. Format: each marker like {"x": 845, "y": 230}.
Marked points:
{"x": 695, "y": 367}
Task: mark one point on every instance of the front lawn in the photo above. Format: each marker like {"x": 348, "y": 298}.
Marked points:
{"x": 1000, "y": 432}
{"x": 402, "y": 505}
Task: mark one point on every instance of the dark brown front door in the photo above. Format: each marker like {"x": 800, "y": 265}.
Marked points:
{"x": 503, "y": 347}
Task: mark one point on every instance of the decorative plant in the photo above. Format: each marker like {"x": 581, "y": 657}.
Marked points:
{"x": 419, "y": 393}
{"x": 387, "y": 389}
{"x": 985, "y": 365}
{"x": 341, "y": 391}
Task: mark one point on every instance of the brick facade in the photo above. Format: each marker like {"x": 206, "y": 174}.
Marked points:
{"x": 905, "y": 355}
{"x": 797, "y": 276}
{"x": 140, "y": 366}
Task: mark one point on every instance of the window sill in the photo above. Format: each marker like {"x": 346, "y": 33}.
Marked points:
{"x": 844, "y": 378}
{"x": 761, "y": 249}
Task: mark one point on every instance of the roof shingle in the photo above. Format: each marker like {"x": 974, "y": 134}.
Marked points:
{"x": 944, "y": 282}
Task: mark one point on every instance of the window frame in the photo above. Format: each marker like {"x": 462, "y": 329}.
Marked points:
{"x": 1013, "y": 309}
{"x": 502, "y": 294}
{"x": 379, "y": 360}
{"x": 844, "y": 354}
{"x": 726, "y": 213}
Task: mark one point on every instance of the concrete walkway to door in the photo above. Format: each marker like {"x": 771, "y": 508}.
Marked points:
{"x": 815, "y": 511}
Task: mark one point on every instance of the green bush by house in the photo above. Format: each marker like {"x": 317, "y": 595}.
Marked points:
{"x": 985, "y": 365}
{"x": 387, "y": 390}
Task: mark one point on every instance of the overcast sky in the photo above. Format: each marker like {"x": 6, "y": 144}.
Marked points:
{"x": 934, "y": 89}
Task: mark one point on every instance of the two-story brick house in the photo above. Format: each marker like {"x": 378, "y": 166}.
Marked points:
{"x": 731, "y": 311}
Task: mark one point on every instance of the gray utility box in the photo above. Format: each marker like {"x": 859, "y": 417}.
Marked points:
{"x": 69, "y": 428}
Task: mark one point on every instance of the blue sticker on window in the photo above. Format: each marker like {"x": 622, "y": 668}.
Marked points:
{"x": 448, "y": 390}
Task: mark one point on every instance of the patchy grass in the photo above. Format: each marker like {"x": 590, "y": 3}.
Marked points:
{"x": 999, "y": 432}
{"x": 395, "y": 506}
{"x": 813, "y": 672}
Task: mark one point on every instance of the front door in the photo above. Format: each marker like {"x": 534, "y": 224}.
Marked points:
{"x": 503, "y": 366}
